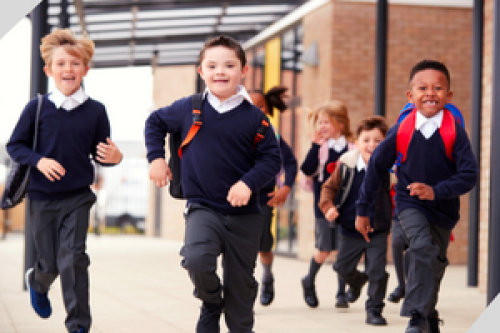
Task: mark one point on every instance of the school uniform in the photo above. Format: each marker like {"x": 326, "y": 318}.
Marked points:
{"x": 426, "y": 223}
{"x": 352, "y": 245}
{"x": 325, "y": 235}
{"x": 70, "y": 128}
{"x": 267, "y": 212}
{"x": 220, "y": 155}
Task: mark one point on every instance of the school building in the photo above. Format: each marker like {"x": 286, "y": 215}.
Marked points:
{"x": 360, "y": 52}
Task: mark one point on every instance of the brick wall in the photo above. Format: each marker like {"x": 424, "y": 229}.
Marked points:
{"x": 484, "y": 190}
{"x": 346, "y": 33}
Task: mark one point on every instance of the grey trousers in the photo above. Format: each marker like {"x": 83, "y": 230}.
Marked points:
{"x": 237, "y": 237}
{"x": 60, "y": 233}
{"x": 350, "y": 252}
{"x": 427, "y": 258}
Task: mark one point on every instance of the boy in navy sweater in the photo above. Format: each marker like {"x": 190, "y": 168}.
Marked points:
{"x": 427, "y": 191}
{"x": 72, "y": 127}
{"x": 222, "y": 172}
{"x": 338, "y": 202}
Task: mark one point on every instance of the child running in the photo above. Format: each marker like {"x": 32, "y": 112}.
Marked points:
{"x": 72, "y": 127}
{"x": 338, "y": 202}
{"x": 269, "y": 196}
{"x": 432, "y": 174}
{"x": 222, "y": 173}
{"x": 330, "y": 141}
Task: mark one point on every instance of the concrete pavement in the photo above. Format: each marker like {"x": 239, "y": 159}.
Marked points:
{"x": 138, "y": 286}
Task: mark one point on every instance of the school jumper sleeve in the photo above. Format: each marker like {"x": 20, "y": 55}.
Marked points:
{"x": 381, "y": 161}
{"x": 467, "y": 170}
{"x": 329, "y": 190}
{"x": 310, "y": 164}
{"x": 267, "y": 162}
{"x": 162, "y": 121}
{"x": 289, "y": 163}
{"x": 102, "y": 133}
{"x": 20, "y": 145}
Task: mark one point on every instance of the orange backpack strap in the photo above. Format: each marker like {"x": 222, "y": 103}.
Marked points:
{"x": 448, "y": 133}
{"x": 261, "y": 132}
{"x": 404, "y": 135}
{"x": 196, "y": 103}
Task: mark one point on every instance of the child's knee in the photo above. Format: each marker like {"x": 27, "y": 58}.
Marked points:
{"x": 196, "y": 260}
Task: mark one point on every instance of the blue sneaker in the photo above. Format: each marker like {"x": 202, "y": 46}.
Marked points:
{"x": 80, "y": 330}
{"x": 39, "y": 301}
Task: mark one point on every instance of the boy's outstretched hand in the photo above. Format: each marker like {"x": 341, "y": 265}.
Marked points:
{"x": 159, "y": 172}
{"x": 363, "y": 226}
{"x": 421, "y": 190}
{"x": 239, "y": 194}
{"x": 108, "y": 153}
{"x": 50, "y": 168}
{"x": 279, "y": 197}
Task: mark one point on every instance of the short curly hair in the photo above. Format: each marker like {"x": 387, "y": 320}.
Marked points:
{"x": 82, "y": 47}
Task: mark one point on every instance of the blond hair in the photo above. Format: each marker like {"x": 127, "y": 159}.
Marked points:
{"x": 82, "y": 47}
{"x": 337, "y": 112}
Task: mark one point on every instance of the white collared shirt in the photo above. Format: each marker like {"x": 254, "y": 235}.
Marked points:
{"x": 229, "y": 103}
{"x": 338, "y": 145}
{"x": 360, "y": 165}
{"x": 427, "y": 126}
{"x": 68, "y": 103}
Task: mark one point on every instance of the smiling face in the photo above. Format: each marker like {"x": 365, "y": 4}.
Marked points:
{"x": 429, "y": 91}
{"x": 67, "y": 71}
{"x": 327, "y": 127}
{"x": 222, "y": 72}
{"x": 367, "y": 141}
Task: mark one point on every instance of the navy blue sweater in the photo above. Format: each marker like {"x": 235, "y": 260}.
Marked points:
{"x": 220, "y": 155}
{"x": 289, "y": 167}
{"x": 70, "y": 138}
{"x": 310, "y": 166}
{"x": 427, "y": 163}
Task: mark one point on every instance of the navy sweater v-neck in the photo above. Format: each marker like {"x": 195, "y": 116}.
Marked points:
{"x": 70, "y": 138}
{"x": 427, "y": 163}
{"x": 220, "y": 154}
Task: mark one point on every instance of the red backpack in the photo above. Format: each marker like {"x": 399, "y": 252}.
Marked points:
{"x": 407, "y": 119}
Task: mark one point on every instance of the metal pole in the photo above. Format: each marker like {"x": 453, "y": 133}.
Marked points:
{"x": 475, "y": 135}
{"x": 381, "y": 57}
{"x": 39, "y": 28}
{"x": 63, "y": 15}
{"x": 494, "y": 227}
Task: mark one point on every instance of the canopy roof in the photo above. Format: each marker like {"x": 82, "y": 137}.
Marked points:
{"x": 169, "y": 32}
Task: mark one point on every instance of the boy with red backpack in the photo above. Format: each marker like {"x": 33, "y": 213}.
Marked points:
{"x": 435, "y": 166}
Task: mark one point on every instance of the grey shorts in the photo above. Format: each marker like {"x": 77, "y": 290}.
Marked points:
{"x": 326, "y": 236}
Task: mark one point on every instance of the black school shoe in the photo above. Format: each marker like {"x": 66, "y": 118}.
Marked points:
{"x": 267, "y": 293}
{"x": 417, "y": 323}
{"x": 375, "y": 318}
{"x": 210, "y": 318}
{"x": 341, "y": 302}
{"x": 434, "y": 322}
{"x": 396, "y": 295}
{"x": 354, "y": 291}
{"x": 309, "y": 293}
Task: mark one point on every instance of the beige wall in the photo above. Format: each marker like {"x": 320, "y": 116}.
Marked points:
{"x": 169, "y": 85}
{"x": 484, "y": 183}
{"x": 346, "y": 71}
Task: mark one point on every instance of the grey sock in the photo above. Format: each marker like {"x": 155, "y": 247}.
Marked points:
{"x": 267, "y": 275}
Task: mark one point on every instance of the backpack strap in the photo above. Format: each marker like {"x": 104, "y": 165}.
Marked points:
{"x": 261, "y": 132}
{"x": 448, "y": 133}
{"x": 403, "y": 136}
{"x": 196, "y": 103}
{"x": 345, "y": 185}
